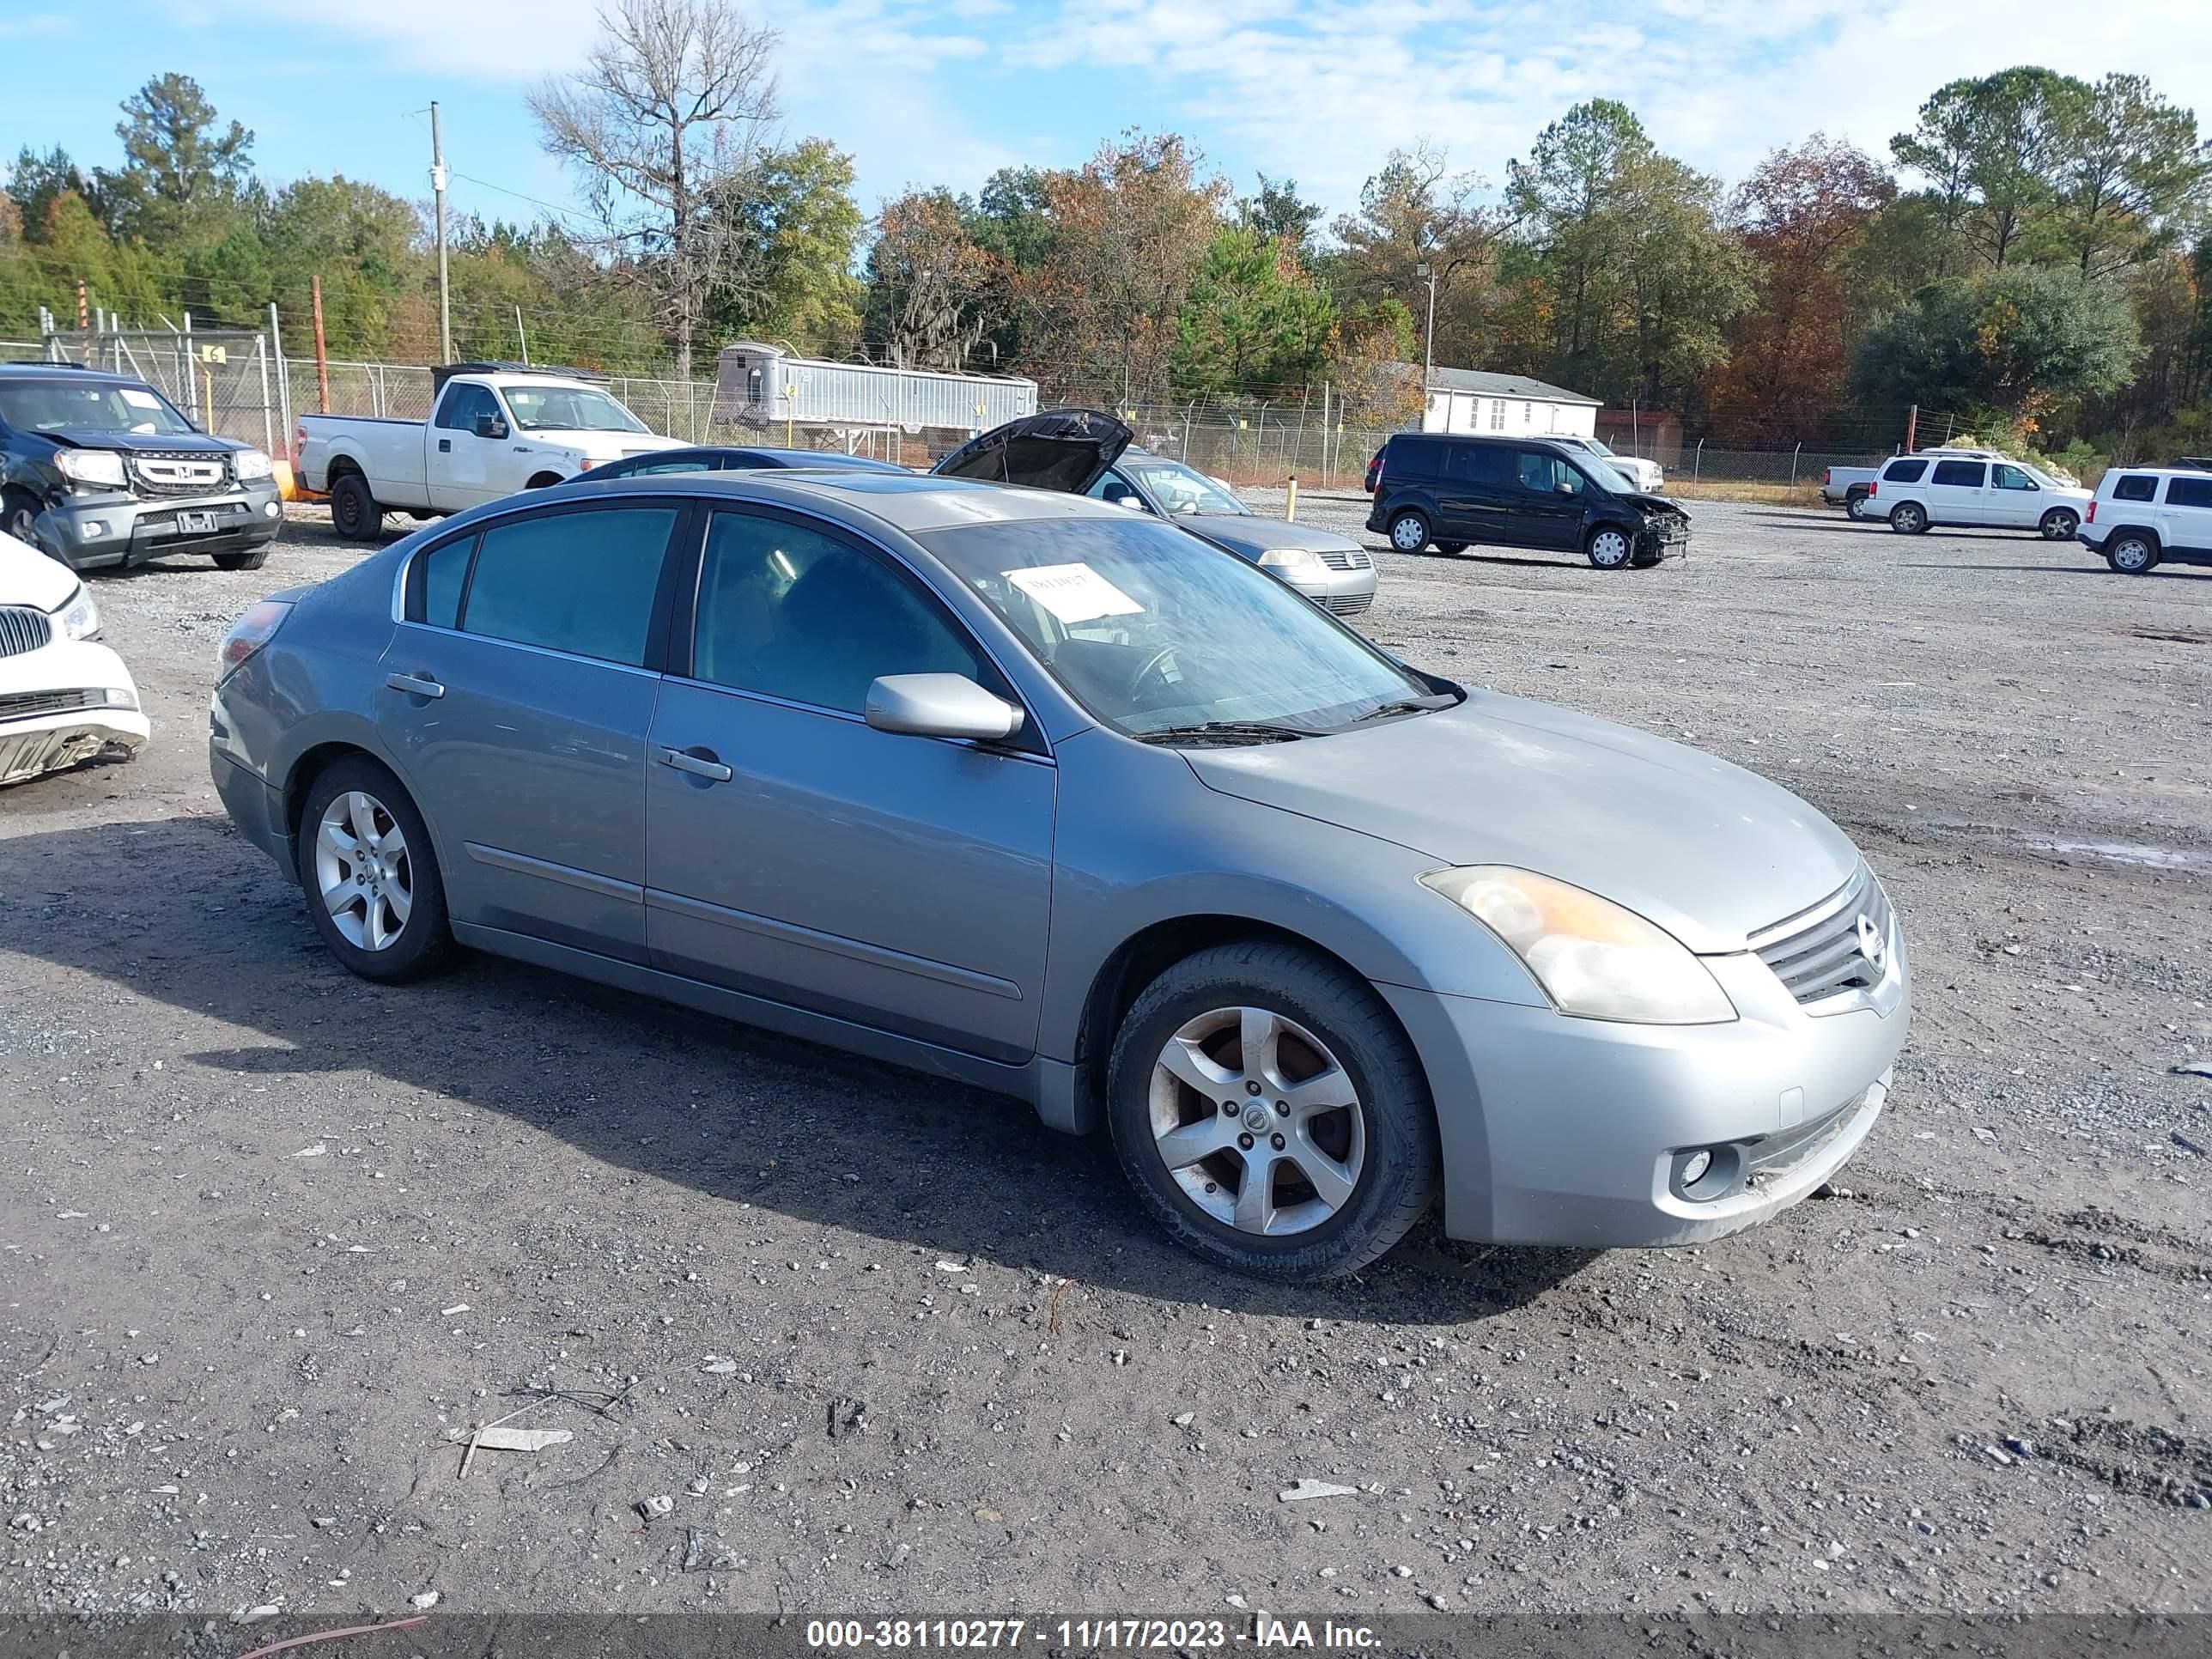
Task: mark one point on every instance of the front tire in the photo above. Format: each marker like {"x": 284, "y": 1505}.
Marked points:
{"x": 1856, "y": 507}
{"x": 2059, "y": 524}
{"x": 1609, "y": 548}
{"x": 1452, "y": 547}
{"x": 372, "y": 880}
{"x": 19, "y": 513}
{"x": 2132, "y": 553}
{"x": 247, "y": 558}
{"x": 1908, "y": 519}
{"x": 1326, "y": 1153}
{"x": 1409, "y": 532}
{"x": 353, "y": 511}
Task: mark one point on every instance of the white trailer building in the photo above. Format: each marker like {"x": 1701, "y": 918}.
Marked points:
{"x": 1507, "y": 405}
{"x": 860, "y": 405}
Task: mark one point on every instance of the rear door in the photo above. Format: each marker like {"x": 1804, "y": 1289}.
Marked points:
{"x": 2186, "y": 524}
{"x": 1474, "y": 494}
{"x": 799, "y": 855}
{"x": 519, "y": 695}
{"x": 1957, "y": 493}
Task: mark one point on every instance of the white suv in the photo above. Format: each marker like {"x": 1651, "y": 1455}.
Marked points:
{"x": 1974, "y": 486}
{"x": 2143, "y": 516}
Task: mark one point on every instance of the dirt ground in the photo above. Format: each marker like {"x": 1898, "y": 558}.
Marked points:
{"x": 271, "y": 1237}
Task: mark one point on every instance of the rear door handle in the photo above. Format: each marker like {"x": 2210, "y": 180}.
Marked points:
{"x": 416, "y": 685}
{"x": 698, "y": 766}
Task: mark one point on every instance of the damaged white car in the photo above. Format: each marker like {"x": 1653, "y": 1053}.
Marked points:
{"x": 63, "y": 698}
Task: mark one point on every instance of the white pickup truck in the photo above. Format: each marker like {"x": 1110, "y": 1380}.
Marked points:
{"x": 493, "y": 429}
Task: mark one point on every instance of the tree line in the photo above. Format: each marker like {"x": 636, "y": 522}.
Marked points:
{"x": 2031, "y": 257}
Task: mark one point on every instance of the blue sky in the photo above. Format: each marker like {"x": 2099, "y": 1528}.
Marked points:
{"x": 944, "y": 91}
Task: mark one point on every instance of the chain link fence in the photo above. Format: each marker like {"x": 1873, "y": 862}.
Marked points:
{"x": 225, "y": 381}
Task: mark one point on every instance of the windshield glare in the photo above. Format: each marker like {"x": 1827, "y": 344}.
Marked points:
{"x": 1179, "y": 489}
{"x": 66, "y": 406}
{"x": 1148, "y": 628}
{"x": 569, "y": 408}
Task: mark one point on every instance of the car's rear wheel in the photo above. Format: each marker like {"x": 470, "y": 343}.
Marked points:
{"x": 1858, "y": 506}
{"x": 1609, "y": 549}
{"x": 1270, "y": 1114}
{"x": 374, "y": 888}
{"x": 1908, "y": 518}
{"x": 353, "y": 511}
{"x": 2132, "y": 553}
{"x": 1409, "y": 532}
{"x": 247, "y": 558}
{"x": 2059, "y": 524}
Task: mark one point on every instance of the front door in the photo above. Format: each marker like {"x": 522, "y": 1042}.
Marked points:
{"x": 1547, "y": 500}
{"x": 460, "y": 463}
{"x": 799, "y": 855}
{"x": 2014, "y": 499}
{"x": 516, "y": 700}
{"x": 1957, "y": 493}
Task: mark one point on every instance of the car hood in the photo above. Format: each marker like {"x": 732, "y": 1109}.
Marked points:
{"x": 604, "y": 446}
{"x": 1644, "y": 502}
{"x": 170, "y": 443}
{"x": 1706, "y": 850}
{"x": 29, "y": 577}
{"x": 1063, "y": 449}
{"x": 1253, "y": 533}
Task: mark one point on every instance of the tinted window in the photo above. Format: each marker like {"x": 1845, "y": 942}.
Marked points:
{"x": 695, "y": 465}
{"x": 2010, "y": 477}
{"x": 2189, "y": 492}
{"x": 1117, "y": 489}
{"x": 582, "y": 582}
{"x": 787, "y": 612}
{"x": 1904, "y": 471}
{"x": 444, "y": 572}
{"x": 1420, "y": 457}
{"x": 462, "y": 406}
{"x": 1543, "y": 473}
{"x": 2136, "y": 488}
{"x": 1966, "y": 474}
{"x": 1478, "y": 464}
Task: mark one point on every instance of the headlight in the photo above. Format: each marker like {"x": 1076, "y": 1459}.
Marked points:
{"x": 78, "y": 617}
{"x": 251, "y": 464}
{"x": 1592, "y": 957}
{"x": 92, "y": 466}
{"x": 1290, "y": 558}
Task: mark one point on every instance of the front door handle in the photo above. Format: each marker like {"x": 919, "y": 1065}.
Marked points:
{"x": 445, "y": 446}
{"x": 699, "y": 766}
{"x": 416, "y": 685}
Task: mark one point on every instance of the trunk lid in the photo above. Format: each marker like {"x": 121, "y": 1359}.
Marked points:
{"x": 1063, "y": 449}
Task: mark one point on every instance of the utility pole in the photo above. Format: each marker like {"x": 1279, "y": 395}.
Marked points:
{"x": 438, "y": 191}
{"x": 1428, "y": 274}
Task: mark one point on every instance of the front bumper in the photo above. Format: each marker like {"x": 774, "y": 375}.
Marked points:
{"x": 1345, "y": 592}
{"x": 92, "y": 532}
{"x": 1667, "y": 538}
{"x": 64, "y": 704}
{"x": 1558, "y": 1131}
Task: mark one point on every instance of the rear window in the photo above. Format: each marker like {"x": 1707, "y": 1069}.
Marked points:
{"x": 1904, "y": 471}
{"x": 1482, "y": 464}
{"x": 2189, "y": 492}
{"x": 1966, "y": 474}
{"x": 2135, "y": 487}
{"x": 579, "y": 582}
{"x": 1423, "y": 457}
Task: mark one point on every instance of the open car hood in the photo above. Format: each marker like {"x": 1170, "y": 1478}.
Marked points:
{"x": 1063, "y": 449}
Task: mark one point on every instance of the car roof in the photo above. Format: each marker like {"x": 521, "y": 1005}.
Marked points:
{"x": 72, "y": 373}
{"x": 2161, "y": 471}
{"x": 911, "y": 502}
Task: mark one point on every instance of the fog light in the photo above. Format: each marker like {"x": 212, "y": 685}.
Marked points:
{"x": 270, "y": 509}
{"x": 1695, "y": 1168}
{"x": 118, "y": 698}
{"x": 95, "y": 526}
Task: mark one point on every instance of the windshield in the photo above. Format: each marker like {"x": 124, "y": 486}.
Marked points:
{"x": 69, "y": 406}
{"x": 1179, "y": 489}
{"x": 1150, "y": 629}
{"x": 1595, "y": 445}
{"x": 569, "y": 408}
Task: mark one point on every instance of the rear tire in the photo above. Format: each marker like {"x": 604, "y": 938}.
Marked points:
{"x": 1856, "y": 507}
{"x": 249, "y": 558}
{"x": 1909, "y": 518}
{"x": 1316, "y": 1022}
{"x": 2132, "y": 553}
{"x": 2059, "y": 524}
{"x": 1409, "y": 532}
{"x": 353, "y": 511}
{"x": 374, "y": 875}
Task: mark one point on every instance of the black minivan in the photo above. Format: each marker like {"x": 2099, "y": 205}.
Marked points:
{"x": 1450, "y": 491}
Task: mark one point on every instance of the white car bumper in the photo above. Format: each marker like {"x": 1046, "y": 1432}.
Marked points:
{"x": 64, "y": 704}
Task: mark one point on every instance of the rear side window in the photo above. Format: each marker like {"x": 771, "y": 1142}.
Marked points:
{"x": 443, "y": 573}
{"x": 2136, "y": 488}
{"x": 1904, "y": 471}
{"x": 579, "y": 582}
{"x": 1966, "y": 475}
{"x": 2189, "y": 492}
{"x": 1481, "y": 463}
{"x": 1419, "y": 457}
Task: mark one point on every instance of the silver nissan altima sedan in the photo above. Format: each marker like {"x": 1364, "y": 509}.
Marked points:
{"x": 1026, "y": 790}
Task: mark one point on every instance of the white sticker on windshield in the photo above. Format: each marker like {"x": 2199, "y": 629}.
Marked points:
{"x": 138, "y": 399}
{"x": 1073, "y": 592}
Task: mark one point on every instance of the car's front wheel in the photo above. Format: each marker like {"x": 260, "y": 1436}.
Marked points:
{"x": 1409, "y": 532}
{"x": 1859, "y": 507}
{"x": 2059, "y": 524}
{"x": 373, "y": 890}
{"x": 1609, "y": 549}
{"x": 243, "y": 558}
{"x": 1271, "y": 1115}
{"x": 1452, "y": 547}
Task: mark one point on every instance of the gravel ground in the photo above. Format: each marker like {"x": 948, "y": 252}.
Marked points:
{"x": 270, "y": 1236}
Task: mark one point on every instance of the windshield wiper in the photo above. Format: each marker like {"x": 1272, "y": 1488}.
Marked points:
{"x": 1409, "y": 706}
{"x": 1224, "y": 732}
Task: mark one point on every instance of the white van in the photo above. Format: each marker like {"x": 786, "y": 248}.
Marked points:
{"x": 2144, "y": 516}
{"x": 1974, "y": 486}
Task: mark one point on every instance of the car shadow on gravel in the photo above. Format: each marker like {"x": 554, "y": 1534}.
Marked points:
{"x": 182, "y": 910}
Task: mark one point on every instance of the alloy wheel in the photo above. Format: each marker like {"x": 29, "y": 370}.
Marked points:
{"x": 2060, "y": 527}
{"x": 362, "y": 870}
{"x": 1258, "y": 1123}
{"x": 2131, "y": 554}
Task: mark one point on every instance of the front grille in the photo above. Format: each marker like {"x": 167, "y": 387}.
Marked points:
{"x": 1347, "y": 604}
{"x": 31, "y": 704}
{"x": 178, "y": 472}
{"x": 1817, "y": 952}
{"x": 1349, "y": 558}
{"x": 23, "y": 628}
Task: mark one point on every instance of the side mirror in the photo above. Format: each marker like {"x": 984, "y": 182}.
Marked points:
{"x": 491, "y": 425}
{"x": 940, "y": 705}
{"x": 1564, "y": 487}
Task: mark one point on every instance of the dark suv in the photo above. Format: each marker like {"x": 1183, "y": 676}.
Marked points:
{"x": 1450, "y": 491}
{"x": 99, "y": 468}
